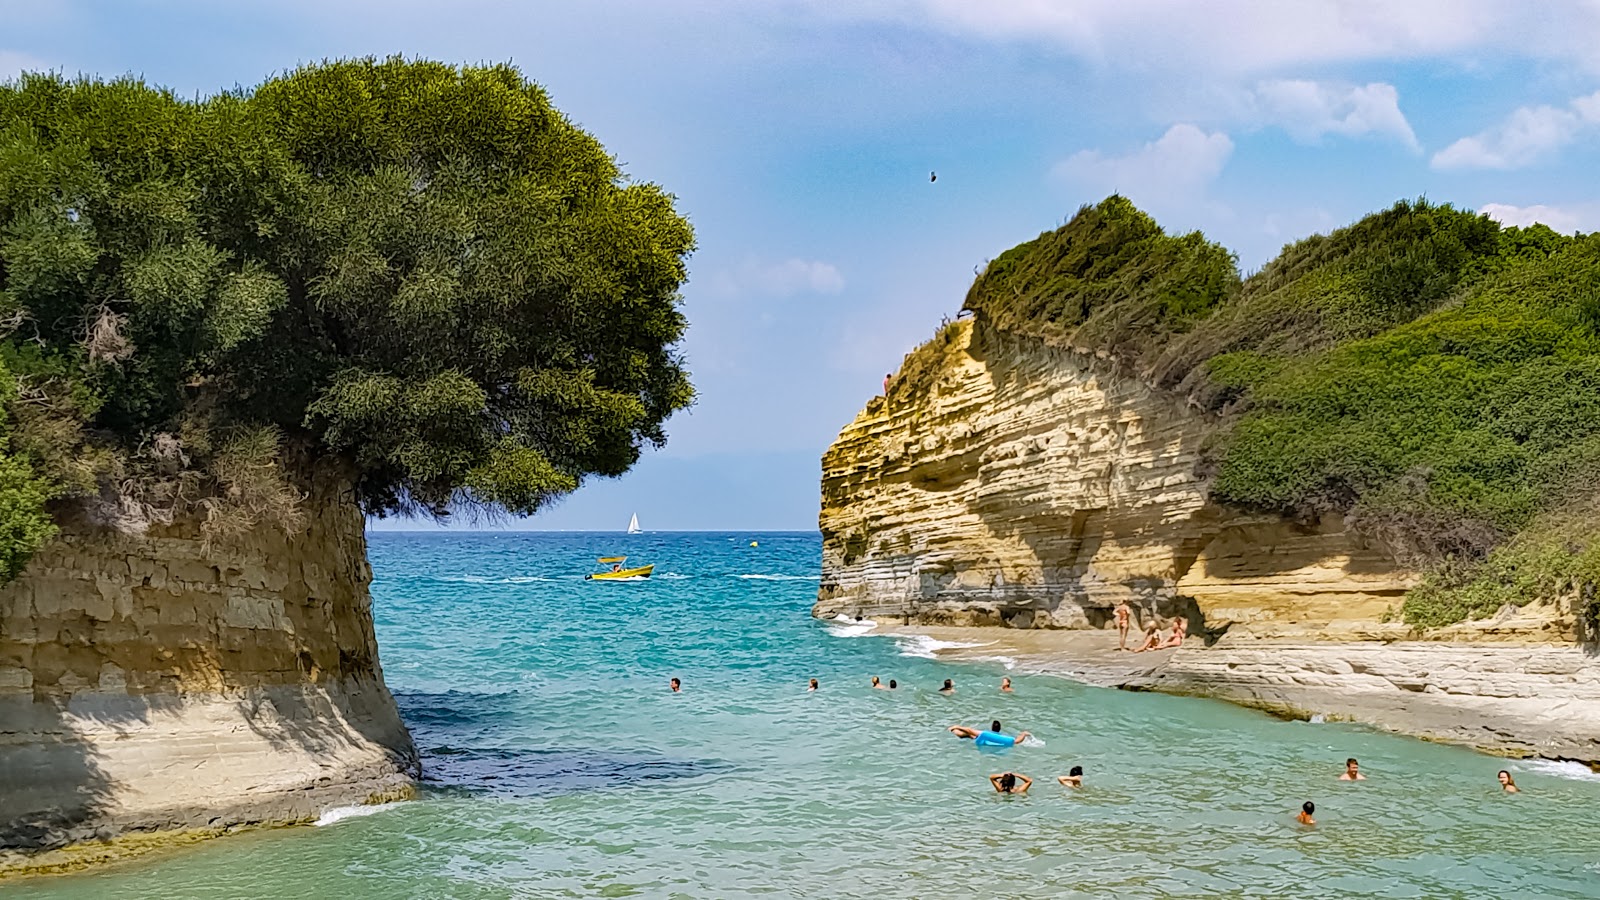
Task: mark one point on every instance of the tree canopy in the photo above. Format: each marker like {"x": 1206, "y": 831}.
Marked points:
{"x": 422, "y": 274}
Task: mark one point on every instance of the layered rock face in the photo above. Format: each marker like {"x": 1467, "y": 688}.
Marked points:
{"x": 150, "y": 681}
{"x": 1030, "y": 486}
{"x": 1033, "y": 486}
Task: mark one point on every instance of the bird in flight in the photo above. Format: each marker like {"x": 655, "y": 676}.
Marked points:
{"x": 933, "y": 176}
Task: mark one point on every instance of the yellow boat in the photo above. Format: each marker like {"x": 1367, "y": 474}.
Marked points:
{"x": 618, "y": 573}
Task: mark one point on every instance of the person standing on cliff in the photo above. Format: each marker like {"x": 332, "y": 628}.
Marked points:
{"x": 887, "y": 380}
{"x": 1123, "y": 613}
{"x": 1352, "y": 771}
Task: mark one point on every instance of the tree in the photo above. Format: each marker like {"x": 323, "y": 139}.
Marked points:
{"x": 421, "y": 275}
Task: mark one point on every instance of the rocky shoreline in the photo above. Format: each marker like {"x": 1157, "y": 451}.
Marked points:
{"x": 1517, "y": 700}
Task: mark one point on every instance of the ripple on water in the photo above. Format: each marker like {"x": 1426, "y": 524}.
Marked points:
{"x": 560, "y": 765}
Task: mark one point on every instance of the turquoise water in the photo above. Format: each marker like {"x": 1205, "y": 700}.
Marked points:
{"x": 560, "y": 765}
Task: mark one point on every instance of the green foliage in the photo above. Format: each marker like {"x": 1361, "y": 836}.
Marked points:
{"x": 1423, "y": 370}
{"x": 424, "y": 275}
{"x": 1109, "y": 277}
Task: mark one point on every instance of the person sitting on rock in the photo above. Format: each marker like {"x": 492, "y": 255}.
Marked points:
{"x": 1152, "y": 638}
{"x": 1180, "y": 630}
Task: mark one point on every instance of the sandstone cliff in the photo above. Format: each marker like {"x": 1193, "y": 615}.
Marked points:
{"x": 1006, "y": 481}
{"x": 1024, "y": 484}
{"x": 150, "y": 681}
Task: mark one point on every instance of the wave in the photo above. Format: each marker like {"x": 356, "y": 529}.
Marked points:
{"x": 844, "y": 626}
{"x": 673, "y": 576}
{"x": 1574, "y": 771}
{"x": 924, "y": 647}
{"x": 779, "y": 577}
{"x": 340, "y": 813}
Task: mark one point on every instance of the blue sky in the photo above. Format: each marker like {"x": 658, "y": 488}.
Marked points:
{"x": 799, "y": 135}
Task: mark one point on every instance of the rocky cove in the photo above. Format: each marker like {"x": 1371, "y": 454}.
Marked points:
{"x": 1011, "y": 483}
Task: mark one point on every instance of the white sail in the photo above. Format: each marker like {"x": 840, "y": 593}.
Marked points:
{"x": 633, "y": 524}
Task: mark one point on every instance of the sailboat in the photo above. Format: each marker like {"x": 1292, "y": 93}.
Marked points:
{"x": 633, "y": 524}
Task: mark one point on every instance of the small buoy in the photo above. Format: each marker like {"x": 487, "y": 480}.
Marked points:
{"x": 754, "y": 544}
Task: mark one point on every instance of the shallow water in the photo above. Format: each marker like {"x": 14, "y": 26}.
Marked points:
{"x": 559, "y": 764}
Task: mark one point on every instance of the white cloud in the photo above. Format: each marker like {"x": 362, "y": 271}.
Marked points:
{"x": 1252, "y": 36}
{"x": 1527, "y": 136}
{"x": 1180, "y": 164}
{"x": 1307, "y": 110}
{"x": 1565, "y": 220}
{"x": 779, "y": 279}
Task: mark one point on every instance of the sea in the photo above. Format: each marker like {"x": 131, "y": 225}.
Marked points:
{"x": 558, "y": 763}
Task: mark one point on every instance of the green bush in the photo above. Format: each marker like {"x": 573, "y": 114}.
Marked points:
{"x": 1431, "y": 374}
{"x": 422, "y": 276}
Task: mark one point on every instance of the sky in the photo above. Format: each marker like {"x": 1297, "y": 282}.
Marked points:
{"x": 798, "y": 137}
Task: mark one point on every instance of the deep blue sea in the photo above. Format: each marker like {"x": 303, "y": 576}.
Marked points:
{"x": 559, "y": 764}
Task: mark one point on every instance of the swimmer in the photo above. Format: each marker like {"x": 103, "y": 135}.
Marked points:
{"x": 893, "y": 684}
{"x": 949, "y": 687}
{"x": 1122, "y": 612}
{"x": 995, "y": 738}
{"x": 676, "y": 684}
{"x": 878, "y": 685}
{"x": 1352, "y": 771}
{"x": 1073, "y": 778}
{"x": 1152, "y": 638}
{"x": 1507, "y": 784}
{"x": 1304, "y": 816}
{"x": 813, "y": 685}
{"x": 1006, "y": 782}
{"x": 1005, "y": 685}
{"x": 963, "y": 732}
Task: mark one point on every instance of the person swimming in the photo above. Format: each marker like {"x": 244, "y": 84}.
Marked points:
{"x": 949, "y": 687}
{"x": 878, "y": 684}
{"x": 1073, "y": 778}
{"x": 1005, "y": 685}
{"x": 1006, "y": 782}
{"x": 813, "y": 685}
{"x": 1304, "y": 816}
{"x": 676, "y": 685}
{"x": 994, "y": 738}
{"x": 964, "y": 732}
{"x": 893, "y": 684}
{"x": 1352, "y": 771}
{"x": 1507, "y": 783}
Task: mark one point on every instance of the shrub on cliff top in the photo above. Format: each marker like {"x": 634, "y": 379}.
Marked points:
{"x": 424, "y": 274}
{"x": 1109, "y": 278}
{"x": 1431, "y": 374}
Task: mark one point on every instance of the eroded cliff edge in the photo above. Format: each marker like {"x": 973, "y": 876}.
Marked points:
{"x": 1006, "y": 481}
{"x": 155, "y": 681}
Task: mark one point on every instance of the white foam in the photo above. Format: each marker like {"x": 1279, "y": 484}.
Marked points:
{"x": 777, "y": 577}
{"x": 924, "y": 647}
{"x": 1031, "y": 741}
{"x": 340, "y": 813}
{"x": 672, "y": 576}
{"x": 1006, "y": 662}
{"x": 484, "y": 579}
{"x": 1317, "y": 719}
{"x": 1561, "y": 769}
{"x": 844, "y": 626}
